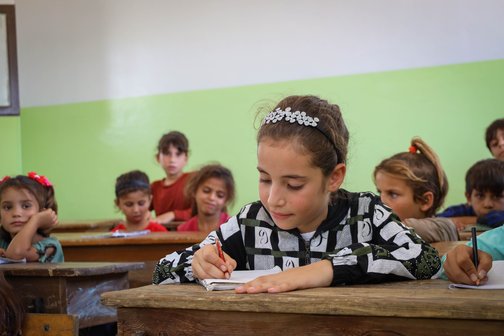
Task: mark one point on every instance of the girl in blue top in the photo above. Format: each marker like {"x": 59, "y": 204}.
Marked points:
{"x": 318, "y": 234}
{"x": 27, "y": 213}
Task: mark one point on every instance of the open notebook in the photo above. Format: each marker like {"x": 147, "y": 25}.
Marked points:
{"x": 118, "y": 234}
{"x": 4, "y": 260}
{"x": 495, "y": 278}
{"x": 237, "y": 279}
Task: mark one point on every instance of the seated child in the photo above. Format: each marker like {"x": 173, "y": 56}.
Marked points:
{"x": 168, "y": 201}
{"x": 494, "y": 138}
{"x": 318, "y": 234}
{"x": 133, "y": 198}
{"x": 28, "y": 212}
{"x": 459, "y": 266}
{"x": 414, "y": 185}
{"x": 484, "y": 192}
{"x": 212, "y": 189}
{"x": 12, "y": 312}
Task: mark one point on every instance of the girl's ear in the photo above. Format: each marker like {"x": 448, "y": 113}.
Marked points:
{"x": 427, "y": 201}
{"x": 336, "y": 178}
{"x": 468, "y": 198}
{"x": 157, "y": 157}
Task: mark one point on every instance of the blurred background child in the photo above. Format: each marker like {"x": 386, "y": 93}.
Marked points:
{"x": 168, "y": 201}
{"x": 494, "y": 138}
{"x": 133, "y": 198}
{"x": 484, "y": 183}
{"x": 211, "y": 189}
{"x": 414, "y": 185}
{"x": 28, "y": 211}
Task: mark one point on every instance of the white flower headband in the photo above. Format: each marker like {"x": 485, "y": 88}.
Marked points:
{"x": 301, "y": 118}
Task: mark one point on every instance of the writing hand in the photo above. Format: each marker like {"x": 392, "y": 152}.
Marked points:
{"x": 459, "y": 266}
{"x": 207, "y": 264}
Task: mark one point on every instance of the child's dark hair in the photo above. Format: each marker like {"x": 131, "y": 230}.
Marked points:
{"x": 132, "y": 181}
{"x": 206, "y": 172}
{"x": 326, "y": 142}
{"x": 175, "y": 139}
{"x": 12, "y": 312}
{"x": 39, "y": 187}
{"x": 491, "y": 131}
{"x": 421, "y": 169}
{"x": 486, "y": 176}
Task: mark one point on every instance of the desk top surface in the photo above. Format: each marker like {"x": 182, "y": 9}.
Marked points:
{"x": 97, "y": 239}
{"x": 69, "y": 269}
{"x": 424, "y": 298}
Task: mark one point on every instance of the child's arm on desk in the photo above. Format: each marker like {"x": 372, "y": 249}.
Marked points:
{"x": 207, "y": 264}
{"x": 459, "y": 266}
{"x": 319, "y": 274}
{"x": 462, "y": 222}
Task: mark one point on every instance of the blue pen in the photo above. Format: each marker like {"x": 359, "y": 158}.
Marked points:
{"x": 475, "y": 247}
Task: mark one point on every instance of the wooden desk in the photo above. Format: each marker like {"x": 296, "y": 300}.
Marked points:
{"x": 148, "y": 248}
{"x": 425, "y": 307}
{"x": 445, "y": 246}
{"x": 69, "y": 288}
{"x": 86, "y": 226}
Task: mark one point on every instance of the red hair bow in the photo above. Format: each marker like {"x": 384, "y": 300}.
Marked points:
{"x": 5, "y": 178}
{"x": 40, "y": 179}
{"x": 412, "y": 149}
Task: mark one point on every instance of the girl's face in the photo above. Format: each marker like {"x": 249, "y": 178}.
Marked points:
{"x": 16, "y": 208}
{"x": 173, "y": 161}
{"x": 295, "y": 193}
{"x": 211, "y": 197}
{"x": 398, "y": 195}
{"x": 135, "y": 206}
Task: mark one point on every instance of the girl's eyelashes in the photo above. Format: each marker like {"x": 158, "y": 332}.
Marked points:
{"x": 295, "y": 187}
{"x": 264, "y": 180}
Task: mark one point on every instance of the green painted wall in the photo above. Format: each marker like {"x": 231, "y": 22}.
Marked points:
{"x": 83, "y": 147}
{"x": 10, "y": 146}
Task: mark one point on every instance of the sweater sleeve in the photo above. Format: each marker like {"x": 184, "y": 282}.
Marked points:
{"x": 392, "y": 253}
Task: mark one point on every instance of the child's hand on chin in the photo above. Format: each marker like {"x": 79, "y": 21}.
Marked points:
{"x": 206, "y": 264}
{"x": 45, "y": 219}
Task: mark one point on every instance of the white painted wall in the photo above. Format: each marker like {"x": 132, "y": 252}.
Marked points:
{"x": 84, "y": 50}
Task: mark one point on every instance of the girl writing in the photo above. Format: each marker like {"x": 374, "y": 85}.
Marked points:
{"x": 211, "y": 189}
{"x": 133, "y": 198}
{"x": 414, "y": 185}
{"x": 28, "y": 211}
{"x": 319, "y": 234}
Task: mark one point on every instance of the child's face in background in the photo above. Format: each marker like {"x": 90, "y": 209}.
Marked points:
{"x": 484, "y": 202}
{"x": 497, "y": 145}
{"x": 16, "y": 208}
{"x": 135, "y": 206}
{"x": 172, "y": 161}
{"x": 398, "y": 195}
{"x": 294, "y": 192}
{"x": 211, "y": 196}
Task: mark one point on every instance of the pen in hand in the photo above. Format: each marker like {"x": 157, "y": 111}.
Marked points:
{"x": 221, "y": 254}
{"x": 475, "y": 250}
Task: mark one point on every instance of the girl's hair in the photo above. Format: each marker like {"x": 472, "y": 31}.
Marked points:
{"x": 486, "y": 176}
{"x": 421, "y": 169}
{"x": 39, "y": 187}
{"x": 12, "y": 312}
{"x": 326, "y": 142}
{"x": 206, "y": 172}
{"x": 175, "y": 139}
{"x": 132, "y": 181}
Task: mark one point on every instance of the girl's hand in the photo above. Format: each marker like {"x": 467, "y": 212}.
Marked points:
{"x": 319, "y": 274}
{"x": 45, "y": 219}
{"x": 206, "y": 264}
{"x": 459, "y": 266}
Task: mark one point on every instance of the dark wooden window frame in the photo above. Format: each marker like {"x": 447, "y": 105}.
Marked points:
{"x": 13, "y": 107}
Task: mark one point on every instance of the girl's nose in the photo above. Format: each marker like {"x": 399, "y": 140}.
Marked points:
{"x": 275, "y": 197}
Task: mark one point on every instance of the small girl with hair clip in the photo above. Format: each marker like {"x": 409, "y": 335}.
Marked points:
{"x": 318, "y": 234}
{"x": 133, "y": 198}
{"x": 414, "y": 185}
{"x": 211, "y": 189}
{"x": 28, "y": 211}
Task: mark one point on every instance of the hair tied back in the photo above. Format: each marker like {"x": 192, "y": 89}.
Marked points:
{"x": 40, "y": 179}
{"x": 412, "y": 149}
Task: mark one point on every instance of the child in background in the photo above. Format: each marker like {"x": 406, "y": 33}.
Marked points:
{"x": 317, "y": 233}
{"x": 168, "y": 201}
{"x": 494, "y": 138}
{"x": 28, "y": 211}
{"x": 12, "y": 312}
{"x": 414, "y": 185}
{"x": 484, "y": 183}
{"x": 212, "y": 188}
{"x": 133, "y": 198}
{"x": 459, "y": 266}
